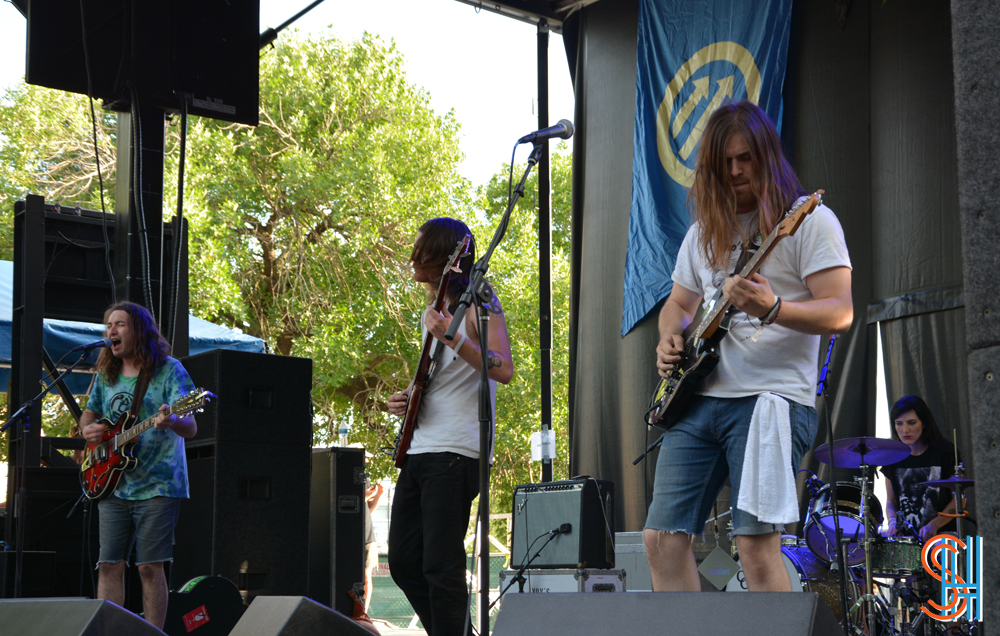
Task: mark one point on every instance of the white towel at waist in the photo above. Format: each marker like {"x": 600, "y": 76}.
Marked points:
{"x": 767, "y": 485}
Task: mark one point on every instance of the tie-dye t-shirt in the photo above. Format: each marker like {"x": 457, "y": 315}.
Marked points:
{"x": 161, "y": 470}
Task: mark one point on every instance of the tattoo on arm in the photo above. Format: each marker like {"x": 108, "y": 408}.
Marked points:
{"x": 494, "y": 305}
{"x": 493, "y": 360}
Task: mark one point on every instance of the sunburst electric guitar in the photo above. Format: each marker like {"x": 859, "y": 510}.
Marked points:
{"x": 104, "y": 462}
{"x": 702, "y": 338}
{"x": 425, "y": 366}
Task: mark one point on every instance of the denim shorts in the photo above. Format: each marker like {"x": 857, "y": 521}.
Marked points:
{"x": 147, "y": 524}
{"x": 704, "y": 448}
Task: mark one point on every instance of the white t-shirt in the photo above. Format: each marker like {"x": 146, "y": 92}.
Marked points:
{"x": 782, "y": 361}
{"x": 448, "y": 420}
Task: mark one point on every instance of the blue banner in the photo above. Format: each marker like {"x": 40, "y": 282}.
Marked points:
{"x": 693, "y": 56}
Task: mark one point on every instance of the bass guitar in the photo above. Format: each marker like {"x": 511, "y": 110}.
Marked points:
{"x": 425, "y": 366}
{"x": 104, "y": 462}
{"x": 702, "y": 337}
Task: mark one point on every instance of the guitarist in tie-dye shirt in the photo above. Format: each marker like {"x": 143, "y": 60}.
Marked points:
{"x": 143, "y": 509}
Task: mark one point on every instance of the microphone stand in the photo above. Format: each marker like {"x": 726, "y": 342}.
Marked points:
{"x": 477, "y": 286}
{"x": 23, "y": 414}
{"x": 840, "y": 549}
{"x": 519, "y": 577}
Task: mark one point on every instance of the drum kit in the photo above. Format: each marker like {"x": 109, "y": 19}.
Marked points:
{"x": 885, "y": 583}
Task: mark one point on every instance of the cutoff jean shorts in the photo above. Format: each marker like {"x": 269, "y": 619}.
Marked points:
{"x": 147, "y": 524}
{"x": 704, "y": 448}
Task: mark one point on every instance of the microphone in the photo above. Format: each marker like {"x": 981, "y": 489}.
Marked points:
{"x": 103, "y": 342}
{"x": 563, "y": 529}
{"x": 562, "y": 130}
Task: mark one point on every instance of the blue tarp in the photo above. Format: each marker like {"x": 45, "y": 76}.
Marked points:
{"x": 60, "y": 336}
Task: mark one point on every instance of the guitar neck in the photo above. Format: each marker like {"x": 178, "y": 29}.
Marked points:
{"x": 722, "y": 304}
{"x": 127, "y": 436}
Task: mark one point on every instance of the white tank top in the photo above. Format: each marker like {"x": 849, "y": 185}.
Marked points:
{"x": 448, "y": 420}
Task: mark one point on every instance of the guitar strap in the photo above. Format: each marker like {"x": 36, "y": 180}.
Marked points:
{"x": 141, "y": 384}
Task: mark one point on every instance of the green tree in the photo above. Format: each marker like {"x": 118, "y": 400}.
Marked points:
{"x": 47, "y": 148}
{"x": 301, "y": 227}
{"x": 514, "y": 271}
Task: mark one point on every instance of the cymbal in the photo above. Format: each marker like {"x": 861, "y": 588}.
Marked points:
{"x": 855, "y": 452}
{"x": 951, "y": 482}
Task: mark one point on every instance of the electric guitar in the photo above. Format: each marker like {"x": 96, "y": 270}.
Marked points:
{"x": 426, "y": 365}
{"x": 702, "y": 337}
{"x": 103, "y": 463}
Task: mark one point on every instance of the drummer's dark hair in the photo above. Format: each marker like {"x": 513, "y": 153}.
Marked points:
{"x": 931, "y": 435}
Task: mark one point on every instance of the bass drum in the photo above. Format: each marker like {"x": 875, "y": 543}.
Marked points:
{"x": 808, "y": 574}
{"x": 820, "y": 530}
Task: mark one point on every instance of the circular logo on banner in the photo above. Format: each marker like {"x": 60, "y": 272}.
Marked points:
{"x": 685, "y": 126}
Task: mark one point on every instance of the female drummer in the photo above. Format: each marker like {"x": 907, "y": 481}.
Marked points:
{"x": 911, "y": 509}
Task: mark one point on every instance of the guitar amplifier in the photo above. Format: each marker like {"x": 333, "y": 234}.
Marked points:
{"x": 586, "y": 504}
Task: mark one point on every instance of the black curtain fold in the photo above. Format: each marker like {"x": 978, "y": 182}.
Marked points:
{"x": 869, "y": 117}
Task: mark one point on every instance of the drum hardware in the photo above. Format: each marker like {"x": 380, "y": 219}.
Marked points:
{"x": 862, "y": 453}
{"x": 820, "y": 531}
{"x": 853, "y": 452}
{"x": 871, "y": 602}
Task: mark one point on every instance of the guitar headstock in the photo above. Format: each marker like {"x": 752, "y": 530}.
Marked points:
{"x": 794, "y": 217}
{"x": 193, "y": 401}
{"x": 461, "y": 249}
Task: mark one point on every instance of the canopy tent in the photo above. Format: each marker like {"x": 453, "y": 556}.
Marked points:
{"x": 61, "y": 336}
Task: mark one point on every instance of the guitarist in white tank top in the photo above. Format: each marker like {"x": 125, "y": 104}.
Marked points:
{"x": 440, "y": 476}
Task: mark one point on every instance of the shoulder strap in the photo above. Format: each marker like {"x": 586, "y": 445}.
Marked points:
{"x": 141, "y": 384}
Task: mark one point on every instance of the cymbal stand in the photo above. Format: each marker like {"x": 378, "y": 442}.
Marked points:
{"x": 870, "y": 600}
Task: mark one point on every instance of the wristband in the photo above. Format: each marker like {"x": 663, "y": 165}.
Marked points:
{"x": 461, "y": 341}
{"x": 773, "y": 314}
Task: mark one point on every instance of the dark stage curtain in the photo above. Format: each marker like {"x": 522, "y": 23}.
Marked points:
{"x": 869, "y": 118}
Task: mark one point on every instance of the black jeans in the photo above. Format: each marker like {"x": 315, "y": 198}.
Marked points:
{"x": 429, "y": 519}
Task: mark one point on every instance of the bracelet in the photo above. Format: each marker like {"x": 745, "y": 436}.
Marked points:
{"x": 773, "y": 314}
{"x": 461, "y": 341}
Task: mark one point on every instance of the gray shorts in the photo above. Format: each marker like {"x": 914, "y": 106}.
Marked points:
{"x": 147, "y": 524}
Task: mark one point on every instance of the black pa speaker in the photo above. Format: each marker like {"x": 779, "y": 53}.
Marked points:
{"x": 586, "y": 504}
{"x": 249, "y": 469}
{"x": 294, "y": 616}
{"x": 666, "y": 613}
{"x": 70, "y": 617}
{"x": 247, "y": 519}
{"x": 337, "y": 526}
{"x": 260, "y": 398}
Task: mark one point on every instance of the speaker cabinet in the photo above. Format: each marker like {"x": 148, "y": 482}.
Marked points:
{"x": 337, "y": 526}
{"x": 261, "y": 398}
{"x": 249, "y": 468}
{"x": 71, "y": 540}
{"x": 247, "y": 519}
{"x": 70, "y": 617}
{"x": 666, "y": 613}
{"x": 586, "y": 504}
{"x": 294, "y": 616}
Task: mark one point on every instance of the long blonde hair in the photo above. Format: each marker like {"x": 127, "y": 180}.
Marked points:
{"x": 713, "y": 199}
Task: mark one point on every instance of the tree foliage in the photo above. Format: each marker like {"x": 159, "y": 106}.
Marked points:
{"x": 301, "y": 229}
{"x": 514, "y": 270}
{"x": 302, "y": 225}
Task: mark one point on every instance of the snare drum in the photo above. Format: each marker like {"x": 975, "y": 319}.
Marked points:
{"x": 808, "y": 574}
{"x": 820, "y": 532}
{"x": 897, "y": 558}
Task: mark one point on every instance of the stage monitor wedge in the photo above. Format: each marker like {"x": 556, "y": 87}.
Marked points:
{"x": 70, "y": 617}
{"x": 666, "y": 614}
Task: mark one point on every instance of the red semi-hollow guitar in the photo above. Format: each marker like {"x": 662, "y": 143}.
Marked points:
{"x": 103, "y": 463}
{"x": 425, "y": 367}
